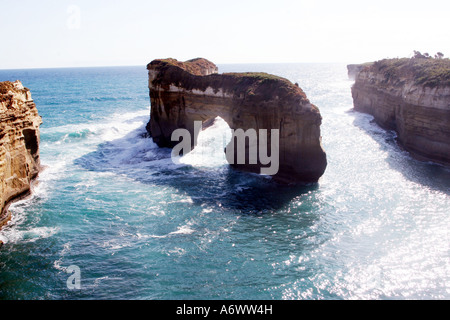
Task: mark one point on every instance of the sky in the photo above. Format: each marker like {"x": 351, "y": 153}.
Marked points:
{"x": 79, "y": 33}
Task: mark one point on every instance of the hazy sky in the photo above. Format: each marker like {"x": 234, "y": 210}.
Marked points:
{"x": 63, "y": 33}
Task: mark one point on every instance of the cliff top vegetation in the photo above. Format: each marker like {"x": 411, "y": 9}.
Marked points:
{"x": 423, "y": 69}
{"x": 190, "y": 75}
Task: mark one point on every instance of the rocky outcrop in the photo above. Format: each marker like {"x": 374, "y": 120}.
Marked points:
{"x": 19, "y": 143}
{"x": 412, "y": 97}
{"x": 184, "y": 92}
{"x": 354, "y": 69}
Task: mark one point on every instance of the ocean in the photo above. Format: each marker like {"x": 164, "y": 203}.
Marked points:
{"x": 139, "y": 226}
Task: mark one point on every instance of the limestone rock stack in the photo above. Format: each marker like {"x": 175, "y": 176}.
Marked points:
{"x": 184, "y": 92}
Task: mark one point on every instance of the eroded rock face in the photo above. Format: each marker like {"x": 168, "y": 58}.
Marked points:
{"x": 354, "y": 69}
{"x": 19, "y": 143}
{"x": 184, "y": 92}
{"x": 415, "y": 105}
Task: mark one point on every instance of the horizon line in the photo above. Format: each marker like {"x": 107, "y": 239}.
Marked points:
{"x": 137, "y": 65}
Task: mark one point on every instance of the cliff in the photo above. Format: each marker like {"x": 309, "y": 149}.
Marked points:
{"x": 184, "y": 92}
{"x": 412, "y": 97}
{"x": 354, "y": 69}
{"x": 19, "y": 143}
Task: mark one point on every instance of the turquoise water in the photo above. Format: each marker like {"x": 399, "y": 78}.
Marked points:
{"x": 139, "y": 226}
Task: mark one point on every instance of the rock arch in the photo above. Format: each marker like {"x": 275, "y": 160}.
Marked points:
{"x": 184, "y": 92}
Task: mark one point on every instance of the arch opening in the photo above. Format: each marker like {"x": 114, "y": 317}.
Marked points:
{"x": 209, "y": 147}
